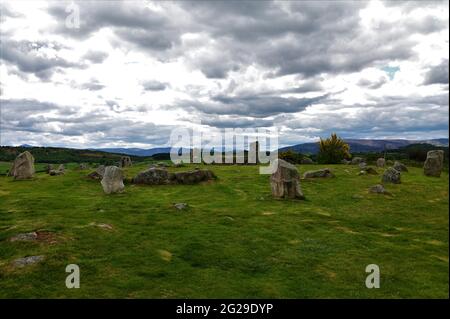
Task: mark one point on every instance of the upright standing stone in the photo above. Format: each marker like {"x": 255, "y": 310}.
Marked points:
{"x": 125, "y": 161}
{"x": 381, "y": 162}
{"x": 285, "y": 181}
{"x": 391, "y": 175}
{"x": 23, "y": 166}
{"x": 434, "y": 163}
{"x": 112, "y": 180}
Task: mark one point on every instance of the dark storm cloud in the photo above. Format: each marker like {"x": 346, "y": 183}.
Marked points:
{"x": 132, "y": 22}
{"x": 385, "y": 116}
{"x": 32, "y": 57}
{"x": 233, "y": 121}
{"x": 292, "y": 37}
{"x": 253, "y": 106}
{"x": 31, "y": 116}
{"x": 437, "y": 74}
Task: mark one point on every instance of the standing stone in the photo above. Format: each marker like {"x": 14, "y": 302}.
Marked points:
{"x": 391, "y": 175}
{"x": 112, "y": 181}
{"x": 23, "y": 166}
{"x": 381, "y": 162}
{"x": 125, "y": 161}
{"x": 400, "y": 167}
{"x": 61, "y": 168}
{"x": 434, "y": 163}
{"x": 285, "y": 181}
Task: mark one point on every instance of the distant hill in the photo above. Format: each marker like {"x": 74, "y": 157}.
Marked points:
{"x": 62, "y": 155}
{"x": 366, "y": 145}
{"x": 134, "y": 151}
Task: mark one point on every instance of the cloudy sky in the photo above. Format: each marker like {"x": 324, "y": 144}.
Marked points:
{"x": 134, "y": 70}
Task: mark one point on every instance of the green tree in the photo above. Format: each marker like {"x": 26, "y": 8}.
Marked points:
{"x": 333, "y": 150}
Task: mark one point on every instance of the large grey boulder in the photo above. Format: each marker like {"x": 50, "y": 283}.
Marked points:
{"x": 381, "y": 162}
{"x": 152, "y": 176}
{"x": 192, "y": 177}
{"x": 285, "y": 181}
{"x": 379, "y": 189}
{"x": 59, "y": 171}
{"x": 321, "y": 173}
{"x": 23, "y": 166}
{"x": 400, "y": 167}
{"x": 112, "y": 180}
{"x": 125, "y": 161}
{"x": 306, "y": 160}
{"x": 434, "y": 163}
{"x": 391, "y": 175}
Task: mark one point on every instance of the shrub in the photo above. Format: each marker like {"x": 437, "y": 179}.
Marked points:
{"x": 291, "y": 157}
{"x": 333, "y": 150}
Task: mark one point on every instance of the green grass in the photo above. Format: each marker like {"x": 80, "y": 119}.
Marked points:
{"x": 234, "y": 241}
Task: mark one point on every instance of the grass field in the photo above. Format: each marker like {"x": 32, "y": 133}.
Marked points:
{"x": 234, "y": 240}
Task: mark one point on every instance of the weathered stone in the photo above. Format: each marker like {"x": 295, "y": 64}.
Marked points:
{"x": 391, "y": 175}
{"x": 362, "y": 165}
{"x": 434, "y": 163}
{"x": 125, "y": 161}
{"x": 370, "y": 170}
{"x": 363, "y": 172}
{"x": 180, "y": 206}
{"x": 49, "y": 168}
{"x": 357, "y": 160}
{"x": 400, "y": 167}
{"x": 26, "y": 261}
{"x": 98, "y": 173}
{"x": 285, "y": 181}
{"x": 325, "y": 173}
{"x": 112, "y": 180}
{"x": 61, "y": 168}
{"x": 381, "y": 162}
{"x": 25, "y": 237}
{"x": 306, "y": 160}
{"x": 379, "y": 189}
{"x": 152, "y": 176}
{"x": 191, "y": 177}
{"x": 346, "y": 162}
{"x": 83, "y": 166}
{"x": 23, "y": 166}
